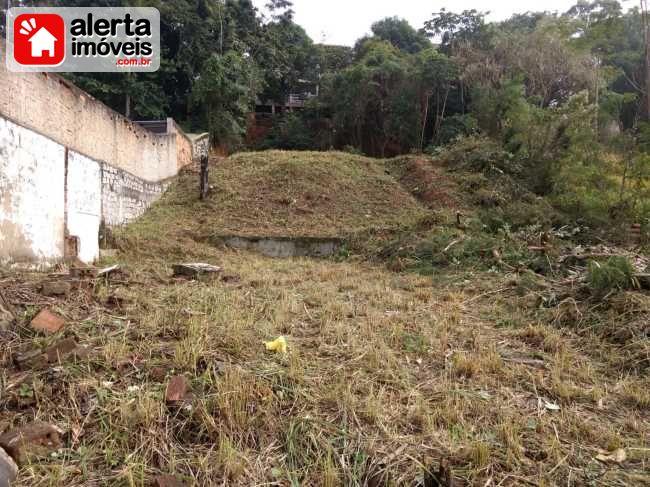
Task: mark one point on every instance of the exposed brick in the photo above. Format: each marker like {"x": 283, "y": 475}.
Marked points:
{"x": 31, "y": 441}
{"x": 176, "y": 389}
{"x": 47, "y": 321}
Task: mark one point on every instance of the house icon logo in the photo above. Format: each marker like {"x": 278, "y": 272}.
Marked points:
{"x": 39, "y": 40}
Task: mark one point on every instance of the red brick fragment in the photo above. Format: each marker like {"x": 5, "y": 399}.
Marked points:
{"x": 176, "y": 389}
{"x": 47, "y": 322}
{"x": 31, "y": 441}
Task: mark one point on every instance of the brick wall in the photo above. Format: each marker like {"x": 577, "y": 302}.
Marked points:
{"x": 125, "y": 197}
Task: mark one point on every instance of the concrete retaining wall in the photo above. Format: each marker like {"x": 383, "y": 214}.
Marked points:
{"x": 84, "y": 204}
{"x": 49, "y": 193}
{"x": 125, "y": 197}
{"x": 284, "y": 246}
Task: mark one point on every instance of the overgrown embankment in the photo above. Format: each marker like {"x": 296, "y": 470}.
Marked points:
{"x": 287, "y": 194}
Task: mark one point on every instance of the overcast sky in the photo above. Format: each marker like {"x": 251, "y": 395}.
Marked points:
{"x": 344, "y": 21}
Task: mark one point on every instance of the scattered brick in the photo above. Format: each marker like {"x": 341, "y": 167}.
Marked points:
{"x": 60, "y": 351}
{"x": 168, "y": 481}
{"x": 56, "y": 288}
{"x": 176, "y": 390}
{"x": 47, "y": 322}
{"x": 31, "y": 441}
{"x": 8, "y": 469}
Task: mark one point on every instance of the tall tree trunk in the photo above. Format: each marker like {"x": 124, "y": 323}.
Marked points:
{"x": 440, "y": 116}
{"x": 597, "y": 88}
{"x": 644, "y": 17}
{"x": 424, "y": 121}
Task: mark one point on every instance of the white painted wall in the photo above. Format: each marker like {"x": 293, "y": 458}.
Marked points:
{"x": 31, "y": 195}
{"x": 84, "y": 204}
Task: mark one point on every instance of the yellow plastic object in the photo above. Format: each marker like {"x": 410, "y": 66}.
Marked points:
{"x": 279, "y": 345}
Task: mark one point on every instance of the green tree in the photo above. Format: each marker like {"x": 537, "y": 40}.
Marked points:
{"x": 286, "y": 56}
{"x": 436, "y": 75}
{"x": 224, "y": 95}
{"x": 400, "y": 34}
{"x": 452, "y": 28}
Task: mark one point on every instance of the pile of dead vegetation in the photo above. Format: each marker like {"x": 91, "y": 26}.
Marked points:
{"x": 427, "y": 181}
{"x": 561, "y": 272}
{"x": 595, "y": 290}
{"x": 601, "y": 291}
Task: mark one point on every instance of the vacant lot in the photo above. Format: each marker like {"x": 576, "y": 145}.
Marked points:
{"x": 386, "y": 373}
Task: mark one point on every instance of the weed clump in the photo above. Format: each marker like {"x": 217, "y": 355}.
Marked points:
{"x": 614, "y": 275}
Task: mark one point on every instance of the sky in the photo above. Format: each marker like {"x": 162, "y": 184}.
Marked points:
{"x": 344, "y": 21}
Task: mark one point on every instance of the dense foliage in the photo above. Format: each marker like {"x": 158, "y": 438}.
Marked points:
{"x": 563, "y": 95}
{"x": 228, "y": 44}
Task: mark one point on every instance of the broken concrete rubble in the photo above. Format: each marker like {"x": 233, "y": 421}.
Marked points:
{"x": 8, "y": 469}
{"x": 196, "y": 270}
{"x": 108, "y": 271}
{"x": 47, "y": 322}
{"x": 56, "y": 288}
{"x": 31, "y": 441}
{"x": 60, "y": 351}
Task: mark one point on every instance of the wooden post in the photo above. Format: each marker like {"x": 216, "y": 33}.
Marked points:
{"x": 204, "y": 177}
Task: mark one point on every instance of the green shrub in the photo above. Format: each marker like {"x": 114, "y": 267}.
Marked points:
{"x": 479, "y": 154}
{"x": 615, "y": 274}
{"x": 520, "y": 214}
{"x": 290, "y": 132}
{"x": 457, "y": 126}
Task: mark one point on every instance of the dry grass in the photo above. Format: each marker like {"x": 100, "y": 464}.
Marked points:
{"x": 385, "y": 373}
{"x": 285, "y": 194}
{"x": 377, "y": 382}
